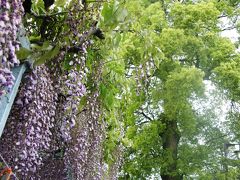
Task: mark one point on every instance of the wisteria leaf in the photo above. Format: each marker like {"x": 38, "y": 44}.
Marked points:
{"x": 23, "y": 53}
{"x": 47, "y": 56}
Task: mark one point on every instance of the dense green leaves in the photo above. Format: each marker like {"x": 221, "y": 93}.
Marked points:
{"x": 164, "y": 126}
{"x": 47, "y": 54}
{"x": 228, "y": 77}
{"x": 113, "y": 13}
{"x": 40, "y": 54}
{"x": 195, "y": 17}
{"x": 23, "y": 53}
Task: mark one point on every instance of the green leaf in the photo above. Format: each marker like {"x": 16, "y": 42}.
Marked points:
{"x": 116, "y": 67}
{"x": 122, "y": 14}
{"x": 46, "y": 45}
{"x": 23, "y": 53}
{"x": 38, "y": 7}
{"x": 109, "y": 100}
{"x": 60, "y": 3}
{"x": 107, "y": 96}
{"x": 103, "y": 90}
{"x": 107, "y": 12}
{"x": 82, "y": 103}
{"x": 117, "y": 40}
{"x": 112, "y": 14}
{"x": 34, "y": 38}
{"x": 47, "y": 56}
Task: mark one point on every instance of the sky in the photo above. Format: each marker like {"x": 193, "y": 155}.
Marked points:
{"x": 231, "y": 34}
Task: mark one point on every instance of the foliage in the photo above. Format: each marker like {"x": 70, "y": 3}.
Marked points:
{"x": 182, "y": 41}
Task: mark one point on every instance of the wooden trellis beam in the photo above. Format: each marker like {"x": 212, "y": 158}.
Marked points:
{"x": 7, "y": 100}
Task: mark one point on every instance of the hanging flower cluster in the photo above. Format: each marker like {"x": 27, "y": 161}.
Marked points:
{"x": 114, "y": 169}
{"x": 96, "y": 127}
{"x": 30, "y": 123}
{"x": 81, "y": 131}
{"x": 83, "y": 155}
{"x": 96, "y": 131}
{"x": 50, "y": 136}
{"x": 73, "y": 89}
{"x": 143, "y": 72}
{"x": 10, "y": 19}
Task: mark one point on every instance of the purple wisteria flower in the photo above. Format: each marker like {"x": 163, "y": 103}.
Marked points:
{"x": 10, "y": 21}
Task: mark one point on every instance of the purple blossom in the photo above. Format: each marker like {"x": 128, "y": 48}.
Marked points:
{"x": 45, "y": 116}
{"x": 10, "y": 20}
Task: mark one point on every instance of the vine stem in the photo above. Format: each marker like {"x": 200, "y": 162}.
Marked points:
{"x": 48, "y": 15}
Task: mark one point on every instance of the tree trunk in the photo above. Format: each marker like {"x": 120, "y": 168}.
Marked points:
{"x": 170, "y": 139}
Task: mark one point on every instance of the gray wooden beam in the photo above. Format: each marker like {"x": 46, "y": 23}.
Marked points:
{"x": 7, "y": 100}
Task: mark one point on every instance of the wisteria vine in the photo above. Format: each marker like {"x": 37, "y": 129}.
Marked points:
{"x": 30, "y": 123}
{"x": 10, "y": 20}
{"x": 51, "y": 137}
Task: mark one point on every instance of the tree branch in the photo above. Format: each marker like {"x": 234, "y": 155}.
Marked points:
{"x": 143, "y": 122}
{"x": 76, "y": 49}
{"x": 215, "y": 138}
{"x": 122, "y": 31}
{"x": 48, "y": 15}
{"x": 145, "y": 115}
{"x": 228, "y": 28}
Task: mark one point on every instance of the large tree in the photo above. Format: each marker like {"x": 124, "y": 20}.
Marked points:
{"x": 171, "y": 48}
